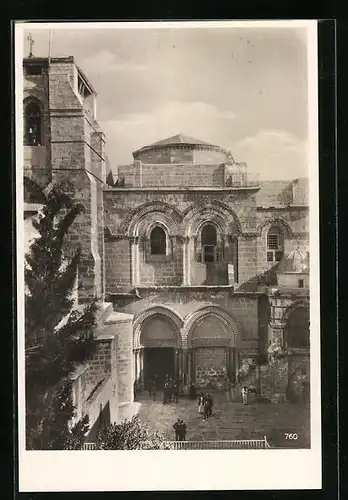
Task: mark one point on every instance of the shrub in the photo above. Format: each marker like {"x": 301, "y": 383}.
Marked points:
{"x": 131, "y": 434}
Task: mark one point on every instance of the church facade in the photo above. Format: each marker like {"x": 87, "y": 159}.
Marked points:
{"x": 202, "y": 268}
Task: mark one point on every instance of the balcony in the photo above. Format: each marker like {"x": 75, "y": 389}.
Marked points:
{"x": 35, "y": 156}
{"x": 242, "y": 180}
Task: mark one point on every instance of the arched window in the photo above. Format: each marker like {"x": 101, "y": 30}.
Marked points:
{"x": 275, "y": 244}
{"x": 158, "y": 241}
{"x": 32, "y": 124}
{"x": 209, "y": 242}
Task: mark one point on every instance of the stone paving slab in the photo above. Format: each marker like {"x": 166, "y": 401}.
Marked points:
{"x": 230, "y": 420}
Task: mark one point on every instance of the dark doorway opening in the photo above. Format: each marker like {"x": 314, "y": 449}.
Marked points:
{"x": 158, "y": 362}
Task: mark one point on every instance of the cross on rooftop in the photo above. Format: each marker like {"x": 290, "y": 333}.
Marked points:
{"x": 31, "y": 43}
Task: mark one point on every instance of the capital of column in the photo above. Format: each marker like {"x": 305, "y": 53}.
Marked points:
{"x": 134, "y": 240}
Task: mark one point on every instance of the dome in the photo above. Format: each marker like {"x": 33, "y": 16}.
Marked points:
{"x": 296, "y": 261}
{"x": 181, "y": 148}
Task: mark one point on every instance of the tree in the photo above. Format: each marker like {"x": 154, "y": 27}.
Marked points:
{"x": 131, "y": 434}
{"x": 57, "y": 337}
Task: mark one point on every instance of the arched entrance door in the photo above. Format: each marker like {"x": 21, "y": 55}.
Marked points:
{"x": 159, "y": 339}
{"x": 296, "y": 336}
{"x": 212, "y": 352}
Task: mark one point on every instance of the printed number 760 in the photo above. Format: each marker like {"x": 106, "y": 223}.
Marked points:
{"x": 290, "y": 435}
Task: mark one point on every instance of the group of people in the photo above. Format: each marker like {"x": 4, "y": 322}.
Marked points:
{"x": 205, "y": 405}
{"x": 171, "y": 390}
{"x": 180, "y": 430}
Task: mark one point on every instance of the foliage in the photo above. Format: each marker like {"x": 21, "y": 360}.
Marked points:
{"x": 57, "y": 338}
{"x": 131, "y": 434}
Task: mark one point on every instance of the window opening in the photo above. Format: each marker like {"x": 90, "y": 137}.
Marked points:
{"x": 158, "y": 241}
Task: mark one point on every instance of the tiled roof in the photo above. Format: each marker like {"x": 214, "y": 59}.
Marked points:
{"x": 283, "y": 193}
{"x": 179, "y": 139}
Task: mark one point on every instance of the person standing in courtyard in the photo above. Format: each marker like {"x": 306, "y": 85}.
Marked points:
{"x": 210, "y": 405}
{"x": 176, "y": 390}
{"x": 200, "y": 403}
{"x": 244, "y": 392}
{"x": 165, "y": 392}
{"x": 228, "y": 389}
{"x": 182, "y": 431}
{"x": 153, "y": 389}
{"x": 206, "y": 404}
{"x": 177, "y": 427}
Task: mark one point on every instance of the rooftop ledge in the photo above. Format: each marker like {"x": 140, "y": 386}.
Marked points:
{"x": 255, "y": 187}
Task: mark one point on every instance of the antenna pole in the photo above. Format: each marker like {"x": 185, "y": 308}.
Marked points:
{"x": 49, "y": 46}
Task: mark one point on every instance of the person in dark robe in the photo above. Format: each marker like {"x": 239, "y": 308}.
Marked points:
{"x": 176, "y": 390}
{"x": 166, "y": 392}
{"x": 182, "y": 431}
{"x": 193, "y": 392}
{"x": 210, "y": 405}
{"x": 153, "y": 389}
{"x": 206, "y": 404}
{"x": 177, "y": 429}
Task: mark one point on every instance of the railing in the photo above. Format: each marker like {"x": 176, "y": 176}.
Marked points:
{"x": 235, "y": 444}
{"x": 89, "y": 446}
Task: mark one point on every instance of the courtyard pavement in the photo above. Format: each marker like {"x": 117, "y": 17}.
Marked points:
{"x": 230, "y": 420}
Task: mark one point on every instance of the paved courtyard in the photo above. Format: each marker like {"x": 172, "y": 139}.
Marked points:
{"x": 230, "y": 420}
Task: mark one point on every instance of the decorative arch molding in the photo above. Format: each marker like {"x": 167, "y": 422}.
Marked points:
{"x": 34, "y": 95}
{"x": 206, "y": 311}
{"x": 210, "y": 211}
{"x": 300, "y": 303}
{"x": 156, "y": 310}
{"x": 156, "y": 223}
{"x": 278, "y": 222}
{"x": 131, "y": 223}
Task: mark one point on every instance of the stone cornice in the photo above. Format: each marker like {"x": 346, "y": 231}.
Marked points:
{"x": 292, "y": 206}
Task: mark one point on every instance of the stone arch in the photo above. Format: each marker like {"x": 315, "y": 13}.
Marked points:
{"x": 291, "y": 336}
{"x": 279, "y": 222}
{"x": 300, "y": 303}
{"x": 33, "y": 126}
{"x": 212, "y": 211}
{"x": 207, "y": 311}
{"x": 156, "y": 310}
{"x": 165, "y": 211}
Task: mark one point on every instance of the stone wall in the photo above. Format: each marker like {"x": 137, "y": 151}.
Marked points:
{"x": 294, "y": 223}
{"x": 120, "y": 327}
{"x": 161, "y": 269}
{"x": 156, "y": 175}
{"x": 211, "y": 367}
{"x": 37, "y": 159}
{"x": 120, "y": 208}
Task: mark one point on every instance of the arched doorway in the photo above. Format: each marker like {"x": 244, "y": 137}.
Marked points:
{"x": 211, "y": 340}
{"x": 159, "y": 349}
{"x": 296, "y": 337}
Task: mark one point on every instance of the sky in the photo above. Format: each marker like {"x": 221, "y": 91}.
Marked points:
{"x": 244, "y": 89}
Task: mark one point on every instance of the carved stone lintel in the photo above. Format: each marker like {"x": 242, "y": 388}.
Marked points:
{"x": 249, "y": 234}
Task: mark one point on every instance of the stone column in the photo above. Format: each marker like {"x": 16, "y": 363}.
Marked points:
{"x": 184, "y": 262}
{"x": 185, "y": 365}
{"x": 141, "y": 366}
{"x": 188, "y": 259}
{"x": 135, "y": 261}
{"x": 189, "y": 366}
{"x": 135, "y": 366}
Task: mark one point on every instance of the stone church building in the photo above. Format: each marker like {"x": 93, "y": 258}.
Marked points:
{"x": 201, "y": 269}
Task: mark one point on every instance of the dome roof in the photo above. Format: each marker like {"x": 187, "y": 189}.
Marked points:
{"x": 175, "y": 140}
{"x": 296, "y": 261}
